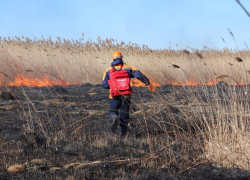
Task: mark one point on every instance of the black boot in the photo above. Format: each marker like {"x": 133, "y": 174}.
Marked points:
{"x": 123, "y": 129}
{"x": 115, "y": 121}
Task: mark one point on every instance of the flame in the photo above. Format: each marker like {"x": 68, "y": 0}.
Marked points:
{"x": 138, "y": 83}
{"x": 21, "y": 80}
{"x": 193, "y": 83}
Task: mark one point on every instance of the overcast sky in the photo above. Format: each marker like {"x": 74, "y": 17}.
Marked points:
{"x": 156, "y": 23}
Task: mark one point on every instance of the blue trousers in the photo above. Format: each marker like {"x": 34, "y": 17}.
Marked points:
{"x": 121, "y": 103}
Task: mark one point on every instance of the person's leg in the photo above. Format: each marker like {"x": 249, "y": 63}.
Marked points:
{"x": 124, "y": 115}
{"x": 114, "y": 106}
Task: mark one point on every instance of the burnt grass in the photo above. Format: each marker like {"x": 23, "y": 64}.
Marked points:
{"x": 64, "y": 133}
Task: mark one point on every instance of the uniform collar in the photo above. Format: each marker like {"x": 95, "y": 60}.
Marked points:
{"x": 117, "y": 61}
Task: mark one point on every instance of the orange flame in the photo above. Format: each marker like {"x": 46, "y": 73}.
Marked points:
{"x": 138, "y": 83}
{"x": 21, "y": 80}
{"x": 192, "y": 83}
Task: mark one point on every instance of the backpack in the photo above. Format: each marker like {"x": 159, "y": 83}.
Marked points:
{"x": 119, "y": 82}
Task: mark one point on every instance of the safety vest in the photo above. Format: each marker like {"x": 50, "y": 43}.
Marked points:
{"x": 119, "y": 82}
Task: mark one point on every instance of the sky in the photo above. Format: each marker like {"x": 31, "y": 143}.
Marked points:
{"x": 160, "y": 24}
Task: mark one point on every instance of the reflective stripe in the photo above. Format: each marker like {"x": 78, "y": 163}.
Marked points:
{"x": 116, "y": 57}
{"x": 126, "y": 68}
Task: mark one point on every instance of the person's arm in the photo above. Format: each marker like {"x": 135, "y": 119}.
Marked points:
{"x": 138, "y": 75}
{"x": 105, "y": 79}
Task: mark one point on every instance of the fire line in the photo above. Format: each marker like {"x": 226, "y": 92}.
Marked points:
{"x": 21, "y": 80}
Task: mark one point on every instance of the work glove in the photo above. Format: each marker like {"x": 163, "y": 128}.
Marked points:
{"x": 151, "y": 88}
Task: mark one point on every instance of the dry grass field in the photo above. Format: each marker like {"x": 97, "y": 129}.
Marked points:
{"x": 80, "y": 62}
{"x": 197, "y": 120}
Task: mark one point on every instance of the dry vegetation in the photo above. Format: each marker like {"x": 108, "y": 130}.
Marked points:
{"x": 77, "y": 61}
{"x": 210, "y": 125}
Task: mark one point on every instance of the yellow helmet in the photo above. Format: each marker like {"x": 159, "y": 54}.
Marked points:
{"x": 117, "y": 55}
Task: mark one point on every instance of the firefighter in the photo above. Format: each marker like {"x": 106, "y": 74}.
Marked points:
{"x": 117, "y": 79}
